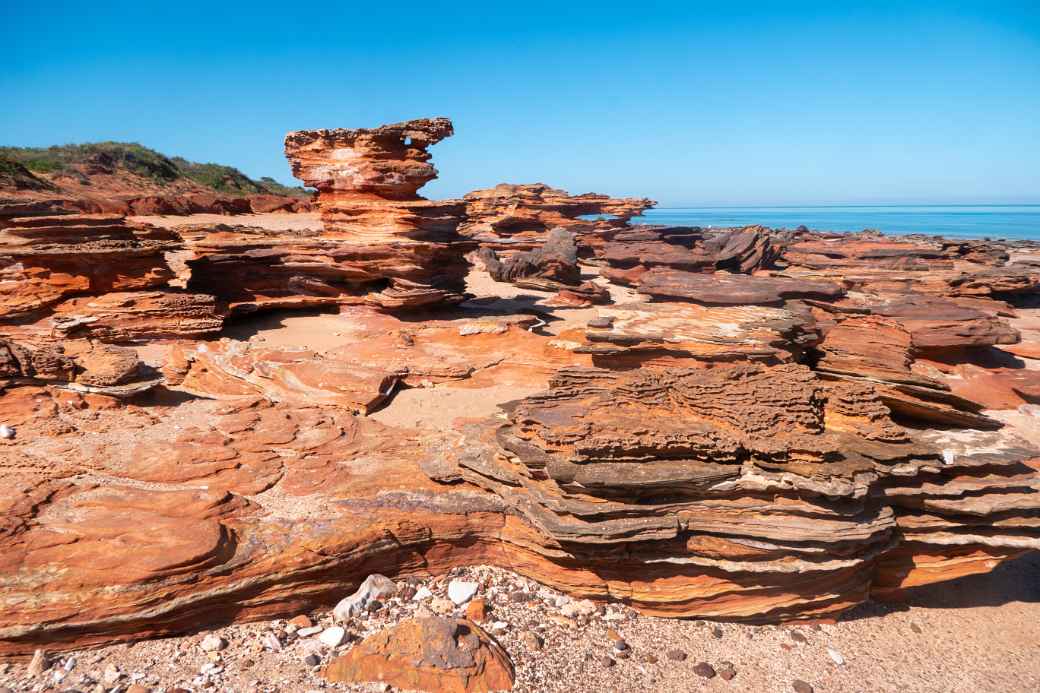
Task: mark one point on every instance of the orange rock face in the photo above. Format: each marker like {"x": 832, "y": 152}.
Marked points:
{"x": 428, "y": 654}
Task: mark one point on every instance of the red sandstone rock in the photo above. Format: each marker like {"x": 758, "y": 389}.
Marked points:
{"x": 518, "y": 217}
{"x": 731, "y": 289}
{"x": 405, "y": 248}
{"x": 428, "y": 654}
{"x": 46, "y": 259}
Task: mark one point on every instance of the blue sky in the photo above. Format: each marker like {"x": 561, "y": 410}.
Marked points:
{"x": 689, "y": 103}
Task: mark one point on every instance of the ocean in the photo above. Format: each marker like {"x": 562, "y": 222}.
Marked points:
{"x": 1017, "y": 222}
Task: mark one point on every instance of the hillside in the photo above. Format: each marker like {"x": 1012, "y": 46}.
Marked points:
{"x": 124, "y": 168}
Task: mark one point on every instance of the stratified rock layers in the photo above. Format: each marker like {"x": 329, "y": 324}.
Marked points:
{"x": 401, "y": 248}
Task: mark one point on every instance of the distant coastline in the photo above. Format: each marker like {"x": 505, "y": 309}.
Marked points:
{"x": 1013, "y": 222}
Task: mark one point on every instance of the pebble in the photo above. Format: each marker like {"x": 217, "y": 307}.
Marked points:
{"x": 562, "y": 620}
{"x": 800, "y": 686}
{"x": 6, "y": 432}
{"x": 582, "y": 607}
{"x": 499, "y": 627}
{"x": 705, "y": 670}
{"x": 650, "y": 659}
{"x": 461, "y": 591}
{"x": 309, "y": 631}
{"x": 137, "y": 688}
{"x": 676, "y": 655}
{"x": 302, "y": 621}
{"x": 607, "y": 661}
{"x": 422, "y": 593}
{"x": 271, "y": 642}
{"x": 312, "y": 660}
{"x": 477, "y": 610}
{"x": 727, "y": 671}
{"x": 375, "y": 586}
{"x": 717, "y": 632}
{"x": 620, "y": 645}
{"x": 835, "y": 656}
{"x": 532, "y": 641}
{"x": 915, "y": 628}
{"x": 442, "y": 606}
{"x": 797, "y": 636}
{"x": 519, "y": 597}
{"x": 213, "y": 643}
{"x": 333, "y": 637}
{"x": 39, "y": 663}
{"x": 111, "y": 675}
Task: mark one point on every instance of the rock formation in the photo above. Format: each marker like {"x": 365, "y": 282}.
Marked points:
{"x": 401, "y": 249}
{"x": 766, "y": 426}
{"x": 517, "y": 217}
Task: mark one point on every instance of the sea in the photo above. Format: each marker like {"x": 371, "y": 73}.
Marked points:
{"x": 1012, "y": 222}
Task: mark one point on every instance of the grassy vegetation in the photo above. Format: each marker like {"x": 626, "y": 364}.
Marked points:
{"x": 142, "y": 161}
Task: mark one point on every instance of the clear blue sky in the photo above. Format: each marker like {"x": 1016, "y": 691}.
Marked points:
{"x": 690, "y": 103}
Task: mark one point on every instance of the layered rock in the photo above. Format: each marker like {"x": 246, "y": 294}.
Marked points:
{"x": 45, "y": 259}
{"x": 518, "y": 217}
{"x": 743, "y": 492}
{"x": 77, "y": 365}
{"x": 385, "y": 242}
{"x": 731, "y": 289}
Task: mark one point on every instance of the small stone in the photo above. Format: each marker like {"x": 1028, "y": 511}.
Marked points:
{"x": 302, "y": 621}
{"x": 717, "y": 632}
{"x": 375, "y": 586}
{"x": 442, "y": 606}
{"x": 613, "y": 635}
{"x": 532, "y": 640}
{"x": 519, "y": 597}
{"x": 620, "y": 645}
{"x": 797, "y": 636}
{"x": 676, "y": 655}
{"x": 271, "y": 642}
{"x": 374, "y": 606}
{"x": 312, "y": 660}
{"x": 727, "y": 671}
{"x": 213, "y": 643}
{"x": 622, "y": 654}
{"x": 477, "y": 610}
{"x": 915, "y": 628}
{"x": 39, "y": 663}
{"x": 422, "y": 593}
{"x": 137, "y": 688}
{"x": 835, "y": 656}
{"x": 562, "y": 620}
{"x": 499, "y": 627}
{"x": 461, "y": 591}
{"x": 649, "y": 659}
{"x": 582, "y": 607}
{"x": 111, "y": 675}
{"x": 800, "y": 686}
{"x": 406, "y": 593}
{"x": 705, "y": 670}
{"x": 307, "y": 632}
{"x": 6, "y": 432}
{"x": 333, "y": 637}
{"x": 607, "y": 661}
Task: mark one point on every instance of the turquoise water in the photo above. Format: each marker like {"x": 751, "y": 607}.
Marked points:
{"x": 993, "y": 221}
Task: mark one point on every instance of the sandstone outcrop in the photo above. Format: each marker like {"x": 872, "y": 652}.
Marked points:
{"x": 767, "y": 426}
{"x": 45, "y": 259}
{"x": 402, "y": 250}
{"x": 428, "y": 654}
{"x": 518, "y": 217}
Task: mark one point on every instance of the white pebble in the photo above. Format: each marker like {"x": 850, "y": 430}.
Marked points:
{"x": 835, "y": 656}
{"x": 422, "y": 593}
{"x": 461, "y": 591}
{"x": 6, "y": 432}
{"x": 333, "y": 636}
{"x": 309, "y": 631}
